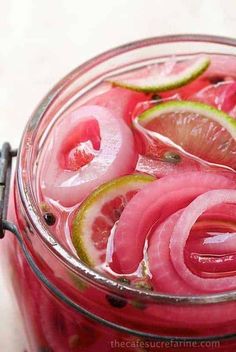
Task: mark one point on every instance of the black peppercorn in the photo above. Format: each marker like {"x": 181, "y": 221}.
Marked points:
{"x": 172, "y": 157}
{"x": 116, "y": 302}
{"x": 156, "y": 97}
{"x": 49, "y": 218}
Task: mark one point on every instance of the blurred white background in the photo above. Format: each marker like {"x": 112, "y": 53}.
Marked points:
{"x": 41, "y": 41}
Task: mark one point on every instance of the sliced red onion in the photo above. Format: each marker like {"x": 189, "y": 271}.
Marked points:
{"x": 180, "y": 235}
{"x": 116, "y": 156}
{"x": 164, "y": 277}
{"x": 152, "y": 205}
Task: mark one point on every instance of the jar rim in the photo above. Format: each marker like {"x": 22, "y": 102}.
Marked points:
{"x": 70, "y": 260}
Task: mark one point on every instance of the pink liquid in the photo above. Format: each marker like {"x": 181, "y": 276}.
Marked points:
{"x": 210, "y": 251}
{"x": 75, "y": 149}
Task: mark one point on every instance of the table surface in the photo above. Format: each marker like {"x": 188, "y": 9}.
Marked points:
{"x": 42, "y": 41}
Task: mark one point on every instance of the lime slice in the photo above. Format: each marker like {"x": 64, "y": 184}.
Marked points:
{"x": 98, "y": 214}
{"x": 155, "y": 79}
{"x": 197, "y": 129}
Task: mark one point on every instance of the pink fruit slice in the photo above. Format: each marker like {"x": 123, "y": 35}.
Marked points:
{"x": 88, "y": 147}
{"x": 98, "y": 214}
{"x": 180, "y": 235}
{"x": 153, "y": 204}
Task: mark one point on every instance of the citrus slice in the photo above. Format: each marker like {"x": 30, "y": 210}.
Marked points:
{"x": 196, "y": 129}
{"x": 155, "y": 78}
{"x": 98, "y": 214}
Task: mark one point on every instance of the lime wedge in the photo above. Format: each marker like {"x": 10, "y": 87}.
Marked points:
{"x": 98, "y": 214}
{"x": 195, "y": 128}
{"x": 155, "y": 79}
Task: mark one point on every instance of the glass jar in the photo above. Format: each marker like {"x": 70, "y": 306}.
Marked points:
{"x": 67, "y": 306}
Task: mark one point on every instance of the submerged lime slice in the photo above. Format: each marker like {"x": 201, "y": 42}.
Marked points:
{"x": 155, "y": 79}
{"x": 98, "y": 214}
{"x": 195, "y": 128}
